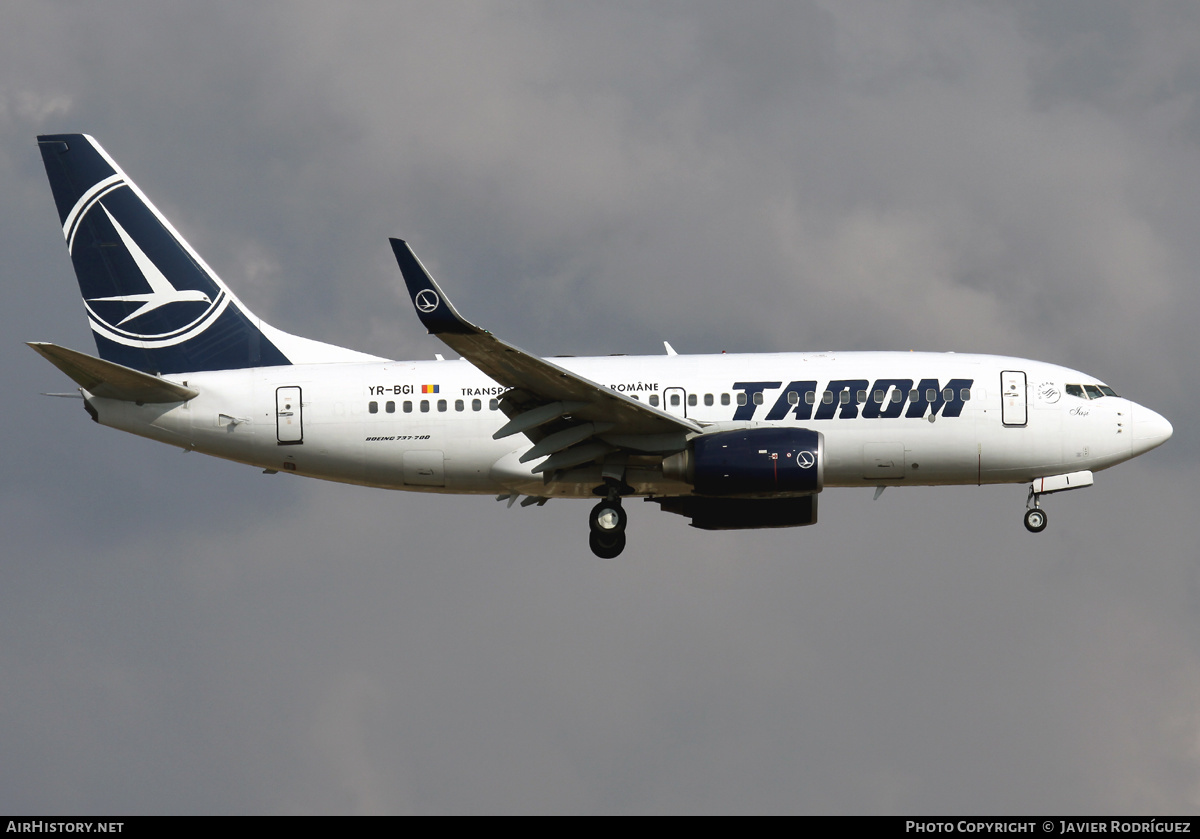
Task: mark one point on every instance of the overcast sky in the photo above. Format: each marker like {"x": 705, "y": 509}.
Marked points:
{"x": 184, "y": 635}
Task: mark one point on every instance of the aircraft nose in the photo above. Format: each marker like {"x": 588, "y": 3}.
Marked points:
{"x": 1150, "y": 430}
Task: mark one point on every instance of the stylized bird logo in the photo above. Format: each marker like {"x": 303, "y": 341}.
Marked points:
{"x": 427, "y": 300}
{"x": 161, "y": 291}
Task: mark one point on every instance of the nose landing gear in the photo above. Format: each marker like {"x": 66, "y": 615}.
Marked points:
{"x": 1035, "y": 516}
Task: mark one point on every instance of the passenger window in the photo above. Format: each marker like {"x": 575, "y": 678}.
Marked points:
{"x": 862, "y": 397}
{"x": 793, "y": 398}
{"x": 724, "y": 398}
{"x": 476, "y": 405}
{"x": 424, "y": 406}
{"x": 827, "y": 397}
{"x": 635, "y": 397}
{"x": 674, "y": 400}
{"x": 493, "y": 404}
{"x": 844, "y": 397}
{"x": 459, "y": 405}
{"x": 441, "y": 404}
{"x": 373, "y": 407}
{"x": 390, "y": 407}
{"x": 708, "y": 399}
{"x": 965, "y": 394}
{"x": 914, "y": 395}
{"x": 653, "y": 400}
{"x": 897, "y": 395}
{"x": 407, "y": 406}
{"x": 742, "y": 398}
{"x": 692, "y": 399}
{"x": 879, "y": 397}
{"x": 948, "y": 394}
{"x": 758, "y": 398}
{"x": 930, "y": 395}
{"x": 810, "y": 397}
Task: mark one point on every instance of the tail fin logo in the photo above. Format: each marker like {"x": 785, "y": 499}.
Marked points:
{"x": 165, "y": 315}
{"x": 161, "y": 290}
{"x": 427, "y": 300}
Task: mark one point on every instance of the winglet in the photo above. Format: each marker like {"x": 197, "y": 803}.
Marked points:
{"x": 433, "y": 307}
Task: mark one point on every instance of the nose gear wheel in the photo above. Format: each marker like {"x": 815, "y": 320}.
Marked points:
{"x": 1035, "y": 520}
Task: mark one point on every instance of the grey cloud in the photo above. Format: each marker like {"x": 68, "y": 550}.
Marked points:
{"x": 188, "y": 635}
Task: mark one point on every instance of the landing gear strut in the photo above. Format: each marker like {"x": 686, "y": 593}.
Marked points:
{"x": 608, "y": 520}
{"x": 1035, "y": 516}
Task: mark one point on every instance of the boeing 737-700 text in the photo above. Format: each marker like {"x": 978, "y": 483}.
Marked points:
{"x": 728, "y": 441}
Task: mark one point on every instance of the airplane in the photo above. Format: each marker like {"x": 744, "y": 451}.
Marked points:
{"x": 728, "y": 441}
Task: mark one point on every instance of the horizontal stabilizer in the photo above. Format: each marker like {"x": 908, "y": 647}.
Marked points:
{"x": 109, "y": 380}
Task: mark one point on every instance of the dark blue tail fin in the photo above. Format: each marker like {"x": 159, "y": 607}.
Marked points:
{"x": 152, "y": 302}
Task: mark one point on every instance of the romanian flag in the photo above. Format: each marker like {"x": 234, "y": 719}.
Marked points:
{"x": 429, "y": 388}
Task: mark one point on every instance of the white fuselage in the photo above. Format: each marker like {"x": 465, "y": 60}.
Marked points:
{"x": 428, "y": 425}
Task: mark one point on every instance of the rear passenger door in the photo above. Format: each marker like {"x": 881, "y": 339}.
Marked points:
{"x": 289, "y": 416}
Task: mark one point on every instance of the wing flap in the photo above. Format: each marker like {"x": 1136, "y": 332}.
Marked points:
{"x": 109, "y": 380}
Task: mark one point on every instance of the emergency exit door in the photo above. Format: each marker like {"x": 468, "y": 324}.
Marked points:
{"x": 289, "y": 416}
{"x": 1014, "y": 410}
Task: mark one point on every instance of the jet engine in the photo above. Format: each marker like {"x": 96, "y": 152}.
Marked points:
{"x": 763, "y": 462}
{"x": 742, "y": 513}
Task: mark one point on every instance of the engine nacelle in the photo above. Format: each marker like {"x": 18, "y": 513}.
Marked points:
{"x": 764, "y": 462}
{"x": 742, "y": 513}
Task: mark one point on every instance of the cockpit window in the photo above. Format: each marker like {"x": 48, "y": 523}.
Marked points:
{"x": 1090, "y": 391}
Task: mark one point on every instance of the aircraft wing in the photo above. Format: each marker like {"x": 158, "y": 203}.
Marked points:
{"x": 565, "y": 414}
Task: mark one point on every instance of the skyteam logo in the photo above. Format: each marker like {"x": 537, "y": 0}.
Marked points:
{"x": 142, "y": 286}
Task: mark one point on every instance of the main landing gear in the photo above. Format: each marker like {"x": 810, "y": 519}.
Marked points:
{"x": 1035, "y": 516}
{"x": 608, "y": 520}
